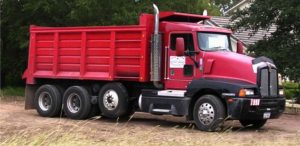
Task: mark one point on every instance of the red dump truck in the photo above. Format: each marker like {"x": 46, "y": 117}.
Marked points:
{"x": 169, "y": 64}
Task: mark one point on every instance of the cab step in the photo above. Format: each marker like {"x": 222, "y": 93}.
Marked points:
{"x": 169, "y": 102}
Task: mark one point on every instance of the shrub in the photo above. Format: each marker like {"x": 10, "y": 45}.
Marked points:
{"x": 292, "y": 91}
{"x": 13, "y": 91}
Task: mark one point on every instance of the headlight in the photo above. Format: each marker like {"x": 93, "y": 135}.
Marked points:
{"x": 246, "y": 92}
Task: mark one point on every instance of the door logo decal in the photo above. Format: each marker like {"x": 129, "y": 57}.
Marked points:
{"x": 177, "y": 62}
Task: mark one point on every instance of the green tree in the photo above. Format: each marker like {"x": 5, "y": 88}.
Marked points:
{"x": 284, "y": 44}
{"x": 18, "y": 15}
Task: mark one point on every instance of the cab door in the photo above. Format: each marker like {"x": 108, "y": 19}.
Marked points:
{"x": 180, "y": 69}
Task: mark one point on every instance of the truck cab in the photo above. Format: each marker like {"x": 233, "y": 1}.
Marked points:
{"x": 205, "y": 80}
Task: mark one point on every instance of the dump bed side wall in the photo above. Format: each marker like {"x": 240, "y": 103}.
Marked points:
{"x": 93, "y": 53}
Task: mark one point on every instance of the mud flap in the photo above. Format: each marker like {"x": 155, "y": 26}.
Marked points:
{"x": 29, "y": 96}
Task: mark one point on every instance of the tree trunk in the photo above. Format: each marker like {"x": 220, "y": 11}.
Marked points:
{"x": 298, "y": 94}
{"x": 2, "y": 79}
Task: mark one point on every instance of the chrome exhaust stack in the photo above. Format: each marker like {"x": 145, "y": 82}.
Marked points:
{"x": 156, "y": 19}
{"x": 156, "y": 51}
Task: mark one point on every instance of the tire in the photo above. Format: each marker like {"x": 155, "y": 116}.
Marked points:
{"x": 94, "y": 111}
{"x": 128, "y": 114}
{"x": 61, "y": 90}
{"x": 209, "y": 113}
{"x": 113, "y": 101}
{"x": 77, "y": 103}
{"x": 255, "y": 124}
{"x": 48, "y": 101}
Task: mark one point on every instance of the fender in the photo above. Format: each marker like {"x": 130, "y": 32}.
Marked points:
{"x": 222, "y": 87}
{"x": 219, "y": 85}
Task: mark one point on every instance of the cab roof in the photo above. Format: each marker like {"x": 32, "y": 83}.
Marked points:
{"x": 188, "y": 22}
{"x": 181, "y": 17}
{"x": 188, "y": 26}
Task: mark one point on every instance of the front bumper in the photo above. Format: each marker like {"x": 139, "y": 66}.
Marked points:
{"x": 243, "y": 108}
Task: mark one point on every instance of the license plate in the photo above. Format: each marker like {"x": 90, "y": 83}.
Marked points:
{"x": 267, "y": 115}
{"x": 254, "y": 102}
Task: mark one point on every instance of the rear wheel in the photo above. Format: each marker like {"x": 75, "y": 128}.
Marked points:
{"x": 77, "y": 103}
{"x": 209, "y": 113}
{"x": 48, "y": 101}
{"x": 256, "y": 124}
{"x": 113, "y": 100}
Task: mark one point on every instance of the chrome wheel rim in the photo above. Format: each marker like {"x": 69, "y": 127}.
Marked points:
{"x": 45, "y": 101}
{"x": 206, "y": 113}
{"x": 74, "y": 103}
{"x": 110, "y": 99}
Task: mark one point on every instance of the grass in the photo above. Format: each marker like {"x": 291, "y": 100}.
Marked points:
{"x": 12, "y": 93}
{"x": 48, "y": 137}
{"x": 82, "y": 133}
{"x": 122, "y": 134}
{"x": 59, "y": 137}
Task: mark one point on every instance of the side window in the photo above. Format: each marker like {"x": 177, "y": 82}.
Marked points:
{"x": 188, "y": 41}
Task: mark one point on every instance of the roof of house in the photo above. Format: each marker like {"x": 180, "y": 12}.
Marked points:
{"x": 236, "y": 6}
{"x": 242, "y": 34}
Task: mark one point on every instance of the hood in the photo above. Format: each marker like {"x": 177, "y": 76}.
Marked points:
{"x": 230, "y": 65}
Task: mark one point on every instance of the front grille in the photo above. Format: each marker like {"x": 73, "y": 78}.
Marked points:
{"x": 264, "y": 87}
{"x": 268, "y": 82}
{"x": 273, "y": 82}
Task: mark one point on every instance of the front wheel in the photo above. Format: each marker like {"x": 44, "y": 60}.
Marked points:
{"x": 256, "y": 124}
{"x": 209, "y": 113}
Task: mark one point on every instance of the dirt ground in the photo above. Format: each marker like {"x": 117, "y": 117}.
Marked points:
{"x": 15, "y": 120}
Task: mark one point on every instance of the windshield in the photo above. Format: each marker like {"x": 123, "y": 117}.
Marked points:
{"x": 213, "y": 41}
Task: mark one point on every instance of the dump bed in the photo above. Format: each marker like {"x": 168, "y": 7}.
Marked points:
{"x": 90, "y": 53}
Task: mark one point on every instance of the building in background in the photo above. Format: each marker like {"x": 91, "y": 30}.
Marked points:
{"x": 239, "y": 6}
{"x": 247, "y": 37}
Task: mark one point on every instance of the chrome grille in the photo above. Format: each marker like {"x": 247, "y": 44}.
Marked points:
{"x": 273, "y": 82}
{"x": 264, "y": 77}
{"x": 268, "y": 82}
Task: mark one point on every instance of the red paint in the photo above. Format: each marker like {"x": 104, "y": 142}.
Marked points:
{"x": 208, "y": 66}
{"x": 123, "y": 53}
{"x": 83, "y": 54}
{"x": 240, "y": 47}
{"x": 112, "y": 55}
{"x": 179, "y": 47}
{"x": 230, "y": 65}
{"x": 93, "y": 53}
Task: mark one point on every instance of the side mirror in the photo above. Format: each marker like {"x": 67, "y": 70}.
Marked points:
{"x": 240, "y": 47}
{"x": 179, "y": 46}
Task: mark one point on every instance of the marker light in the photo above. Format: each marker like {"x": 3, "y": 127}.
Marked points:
{"x": 246, "y": 92}
{"x": 204, "y": 13}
